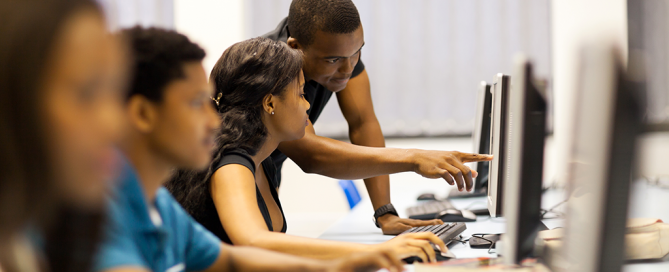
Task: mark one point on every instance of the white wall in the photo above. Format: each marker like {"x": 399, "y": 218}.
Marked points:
{"x": 576, "y": 22}
{"x": 128, "y": 13}
{"x": 213, "y": 24}
{"x": 426, "y": 57}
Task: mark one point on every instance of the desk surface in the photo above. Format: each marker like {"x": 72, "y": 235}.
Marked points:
{"x": 358, "y": 225}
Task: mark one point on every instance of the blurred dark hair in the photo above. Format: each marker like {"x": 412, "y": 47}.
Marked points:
{"x": 305, "y": 17}
{"x": 159, "y": 56}
{"x": 29, "y": 30}
{"x": 245, "y": 74}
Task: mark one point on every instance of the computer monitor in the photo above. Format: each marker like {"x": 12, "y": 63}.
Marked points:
{"x": 500, "y": 93}
{"x": 523, "y": 166}
{"x": 481, "y": 143}
{"x": 607, "y": 121}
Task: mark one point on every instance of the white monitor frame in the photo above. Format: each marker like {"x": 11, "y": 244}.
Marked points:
{"x": 606, "y": 122}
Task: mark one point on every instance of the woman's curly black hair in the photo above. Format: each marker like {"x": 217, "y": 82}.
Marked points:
{"x": 245, "y": 74}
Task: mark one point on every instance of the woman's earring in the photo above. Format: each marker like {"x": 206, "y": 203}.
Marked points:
{"x": 272, "y": 113}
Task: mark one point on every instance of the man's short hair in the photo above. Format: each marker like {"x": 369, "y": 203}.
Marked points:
{"x": 305, "y": 17}
{"x": 158, "y": 58}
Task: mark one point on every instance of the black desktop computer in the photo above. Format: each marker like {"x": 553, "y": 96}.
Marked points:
{"x": 522, "y": 162}
{"x": 607, "y": 121}
{"x": 500, "y": 94}
{"x": 481, "y": 143}
{"x": 481, "y": 137}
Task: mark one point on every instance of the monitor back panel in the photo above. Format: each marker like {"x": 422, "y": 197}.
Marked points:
{"x": 526, "y": 130}
{"x": 500, "y": 94}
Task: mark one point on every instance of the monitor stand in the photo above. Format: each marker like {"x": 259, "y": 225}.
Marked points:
{"x": 482, "y": 191}
{"x": 542, "y": 226}
{"x": 457, "y": 194}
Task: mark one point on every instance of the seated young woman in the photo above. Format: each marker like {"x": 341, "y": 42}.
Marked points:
{"x": 259, "y": 94}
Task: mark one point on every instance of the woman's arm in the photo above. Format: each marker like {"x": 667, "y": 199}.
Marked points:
{"x": 234, "y": 193}
{"x": 239, "y": 258}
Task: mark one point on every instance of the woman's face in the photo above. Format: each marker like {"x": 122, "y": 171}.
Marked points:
{"x": 82, "y": 107}
{"x": 290, "y": 113}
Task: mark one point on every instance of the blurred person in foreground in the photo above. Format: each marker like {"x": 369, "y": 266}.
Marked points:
{"x": 173, "y": 124}
{"x": 61, "y": 82}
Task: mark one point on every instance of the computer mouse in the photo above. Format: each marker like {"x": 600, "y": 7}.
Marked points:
{"x": 441, "y": 256}
{"x": 483, "y": 241}
{"x": 427, "y": 196}
{"x": 453, "y": 215}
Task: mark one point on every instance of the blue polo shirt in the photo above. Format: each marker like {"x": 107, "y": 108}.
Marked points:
{"x": 178, "y": 243}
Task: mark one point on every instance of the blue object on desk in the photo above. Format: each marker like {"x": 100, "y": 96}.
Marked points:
{"x": 351, "y": 192}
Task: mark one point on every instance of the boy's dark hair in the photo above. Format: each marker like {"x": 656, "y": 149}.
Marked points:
{"x": 305, "y": 17}
{"x": 159, "y": 56}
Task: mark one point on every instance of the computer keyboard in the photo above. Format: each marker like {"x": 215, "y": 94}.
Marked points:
{"x": 429, "y": 210}
{"x": 446, "y": 232}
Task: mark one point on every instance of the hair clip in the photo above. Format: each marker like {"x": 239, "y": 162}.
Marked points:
{"x": 217, "y": 100}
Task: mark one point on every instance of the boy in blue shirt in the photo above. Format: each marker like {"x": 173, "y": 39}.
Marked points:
{"x": 172, "y": 124}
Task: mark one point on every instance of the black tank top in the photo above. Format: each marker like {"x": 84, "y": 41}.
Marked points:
{"x": 209, "y": 217}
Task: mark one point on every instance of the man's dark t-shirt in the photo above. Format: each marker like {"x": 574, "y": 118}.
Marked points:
{"x": 317, "y": 95}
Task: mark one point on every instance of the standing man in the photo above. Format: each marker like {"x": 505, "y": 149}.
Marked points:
{"x": 330, "y": 35}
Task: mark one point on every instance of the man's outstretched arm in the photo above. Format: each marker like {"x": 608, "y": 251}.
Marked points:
{"x": 337, "y": 159}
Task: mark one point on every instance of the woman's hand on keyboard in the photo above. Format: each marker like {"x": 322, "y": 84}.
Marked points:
{"x": 415, "y": 244}
{"x": 368, "y": 261}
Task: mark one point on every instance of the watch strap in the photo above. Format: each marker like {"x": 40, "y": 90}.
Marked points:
{"x": 383, "y": 210}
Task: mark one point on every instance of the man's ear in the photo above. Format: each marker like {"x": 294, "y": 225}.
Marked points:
{"x": 269, "y": 103}
{"x": 142, "y": 113}
{"x": 293, "y": 43}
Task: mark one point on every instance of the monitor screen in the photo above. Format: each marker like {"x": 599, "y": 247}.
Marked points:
{"x": 481, "y": 135}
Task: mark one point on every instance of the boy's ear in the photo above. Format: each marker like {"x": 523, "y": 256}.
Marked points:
{"x": 268, "y": 103}
{"x": 293, "y": 43}
{"x": 142, "y": 113}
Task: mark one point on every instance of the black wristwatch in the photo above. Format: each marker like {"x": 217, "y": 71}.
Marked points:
{"x": 385, "y": 209}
